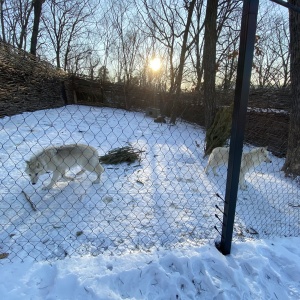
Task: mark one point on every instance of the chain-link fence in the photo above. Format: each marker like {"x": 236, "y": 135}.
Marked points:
{"x": 268, "y": 214}
{"x": 161, "y": 198}
{"x": 164, "y": 198}
{"x": 270, "y": 205}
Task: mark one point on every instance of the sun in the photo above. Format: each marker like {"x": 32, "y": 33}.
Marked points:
{"x": 155, "y": 64}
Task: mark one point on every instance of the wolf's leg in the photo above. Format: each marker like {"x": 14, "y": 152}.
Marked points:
{"x": 242, "y": 182}
{"x": 62, "y": 172}
{"x": 64, "y": 176}
{"x": 206, "y": 170}
{"x": 243, "y": 186}
{"x": 67, "y": 177}
{"x": 55, "y": 176}
{"x": 80, "y": 172}
{"x": 97, "y": 169}
{"x": 214, "y": 170}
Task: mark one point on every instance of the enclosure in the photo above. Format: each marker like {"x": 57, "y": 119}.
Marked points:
{"x": 161, "y": 199}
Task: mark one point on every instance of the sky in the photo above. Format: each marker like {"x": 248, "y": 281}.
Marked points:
{"x": 147, "y": 230}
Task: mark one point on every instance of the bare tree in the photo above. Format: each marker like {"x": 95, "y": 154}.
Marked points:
{"x": 189, "y": 6}
{"x": 79, "y": 63}
{"x": 22, "y": 18}
{"x": 169, "y": 23}
{"x": 184, "y": 48}
{"x": 197, "y": 28}
{"x": 272, "y": 56}
{"x": 2, "y": 22}
{"x": 209, "y": 61}
{"x": 15, "y": 21}
{"x": 93, "y": 63}
{"x": 125, "y": 43}
{"x": 292, "y": 162}
{"x": 66, "y": 23}
{"x": 37, "y": 8}
{"x": 106, "y": 40}
{"x": 280, "y": 48}
{"x": 160, "y": 19}
{"x": 228, "y": 28}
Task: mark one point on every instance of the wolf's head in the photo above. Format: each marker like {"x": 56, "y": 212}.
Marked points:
{"x": 34, "y": 169}
{"x": 264, "y": 155}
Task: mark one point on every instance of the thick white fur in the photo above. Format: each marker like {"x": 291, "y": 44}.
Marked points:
{"x": 60, "y": 159}
{"x": 250, "y": 160}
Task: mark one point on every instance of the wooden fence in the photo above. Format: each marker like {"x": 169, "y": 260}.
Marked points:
{"x": 28, "y": 84}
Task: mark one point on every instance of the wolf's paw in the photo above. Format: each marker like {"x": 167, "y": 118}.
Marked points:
{"x": 243, "y": 187}
{"x": 47, "y": 187}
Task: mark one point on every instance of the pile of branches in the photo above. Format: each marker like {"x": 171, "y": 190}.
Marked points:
{"x": 119, "y": 155}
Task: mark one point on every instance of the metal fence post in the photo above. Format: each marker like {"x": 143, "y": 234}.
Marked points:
{"x": 247, "y": 41}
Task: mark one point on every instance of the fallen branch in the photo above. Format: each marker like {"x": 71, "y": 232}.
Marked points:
{"x": 251, "y": 230}
{"x": 124, "y": 154}
{"x": 3, "y": 255}
{"x": 30, "y": 202}
{"x": 294, "y": 205}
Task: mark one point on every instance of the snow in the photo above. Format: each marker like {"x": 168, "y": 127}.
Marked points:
{"x": 147, "y": 231}
{"x": 260, "y": 269}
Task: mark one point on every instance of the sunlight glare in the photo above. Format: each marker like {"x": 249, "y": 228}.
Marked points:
{"x": 155, "y": 64}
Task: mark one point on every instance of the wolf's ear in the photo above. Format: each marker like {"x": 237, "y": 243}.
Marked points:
{"x": 27, "y": 162}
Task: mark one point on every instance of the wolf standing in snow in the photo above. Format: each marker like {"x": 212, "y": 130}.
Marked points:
{"x": 60, "y": 159}
{"x": 250, "y": 160}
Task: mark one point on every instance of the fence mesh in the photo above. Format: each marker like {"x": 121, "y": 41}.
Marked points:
{"x": 162, "y": 199}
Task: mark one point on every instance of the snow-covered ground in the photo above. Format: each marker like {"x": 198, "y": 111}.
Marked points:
{"x": 254, "y": 270}
{"x": 138, "y": 234}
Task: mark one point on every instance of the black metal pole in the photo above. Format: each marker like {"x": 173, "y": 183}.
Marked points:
{"x": 246, "y": 49}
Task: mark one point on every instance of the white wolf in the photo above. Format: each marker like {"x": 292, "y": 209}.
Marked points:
{"x": 61, "y": 158}
{"x": 219, "y": 156}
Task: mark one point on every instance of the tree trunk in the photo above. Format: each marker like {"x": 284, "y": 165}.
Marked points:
{"x": 292, "y": 162}
{"x": 198, "y": 45}
{"x": 178, "y": 80}
{"x": 209, "y": 61}
{"x": 24, "y": 27}
{"x": 37, "y": 8}
{"x": 2, "y": 20}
